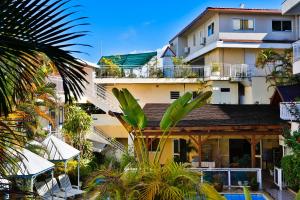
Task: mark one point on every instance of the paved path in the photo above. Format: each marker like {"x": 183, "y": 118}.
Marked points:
{"x": 274, "y": 191}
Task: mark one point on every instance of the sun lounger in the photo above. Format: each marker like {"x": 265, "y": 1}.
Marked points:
{"x": 56, "y": 190}
{"x": 44, "y": 192}
{"x": 66, "y": 185}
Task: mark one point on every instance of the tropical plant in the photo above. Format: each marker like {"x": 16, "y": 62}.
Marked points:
{"x": 110, "y": 68}
{"x": 247, "y": 193}
{"x": 76, "y": 126}
{"x": 28, "y": 30}
{"x": 148, "y": 179}
{"x": 278, "y": 67}
{"x": 291, "y": 165}
{"x": 171, "y": 181}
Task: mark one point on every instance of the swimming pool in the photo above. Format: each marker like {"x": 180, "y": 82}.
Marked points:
{"x": 242, "y": 197}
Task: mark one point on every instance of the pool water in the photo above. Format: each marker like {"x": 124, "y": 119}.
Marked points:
{"x": 242, "y": 197}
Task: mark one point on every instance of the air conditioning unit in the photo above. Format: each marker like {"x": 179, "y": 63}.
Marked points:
{"x": 186, "y": 50}
{"x": 203, "y": 41}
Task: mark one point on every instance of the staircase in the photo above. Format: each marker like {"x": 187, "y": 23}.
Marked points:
{"x": 103, "y": 99}
{"x": 114, "y": 143}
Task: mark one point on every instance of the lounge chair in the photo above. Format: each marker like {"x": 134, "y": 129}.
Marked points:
{"x": 56, "y": 190}
{"x": 44, "y": 192}
{"x": 66, "y": 185}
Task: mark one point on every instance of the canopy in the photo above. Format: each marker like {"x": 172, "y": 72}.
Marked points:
{"x": 31, "y": 164}
{"x": 58, "y": 150}
{"x": 130, "y": 60}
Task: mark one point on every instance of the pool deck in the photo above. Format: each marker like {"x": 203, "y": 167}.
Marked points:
{"x": 274, "y": 191}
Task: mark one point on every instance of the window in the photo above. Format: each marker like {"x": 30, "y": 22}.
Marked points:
{"x": 278, "y": 25}
{"x": 153, "y": 144}
{"x": 176, "y": 144}
{"x": 225, "y": 89}
{"x": 194, "y": 40}
{"x": 243, "y": 24}
{"x": 174, "y": 95}
{"x": 211, "y": 29}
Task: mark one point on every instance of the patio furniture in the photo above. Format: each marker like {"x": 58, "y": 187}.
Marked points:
{"x": 44, "y": 192}
{"x": 56, "y": 190}
{"x": 66, "y": 185}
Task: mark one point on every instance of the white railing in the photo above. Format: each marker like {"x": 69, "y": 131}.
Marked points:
{"x": 114, "y": 143}
{"x": 216, "y": 70}
{"x": 278, "y": 178}
{"x": 296, "y": 51}
{"x": 290, "y": 111}
{"x": 233, "y": 177}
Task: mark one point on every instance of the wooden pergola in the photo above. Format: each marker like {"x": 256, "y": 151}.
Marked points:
{"x": 251, "y": 122}
{"x": 199, "y": 135}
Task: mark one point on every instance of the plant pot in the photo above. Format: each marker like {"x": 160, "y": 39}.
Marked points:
{"x": 218, "y": 187}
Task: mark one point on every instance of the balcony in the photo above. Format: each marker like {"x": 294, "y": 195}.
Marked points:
{"x": 296, "y": 53}
{"x": 212, "y": 72}
{"x": 291, "y": 7}
{"x": 290, "y": 111}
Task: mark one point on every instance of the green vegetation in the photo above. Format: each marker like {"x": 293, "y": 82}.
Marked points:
{"x": 279, "y": 66}
{"x": 76, "y": 126}
{"x": 33, "y": 41}
{"x": 147, "y": 179}
{"x": 291, "y": 163}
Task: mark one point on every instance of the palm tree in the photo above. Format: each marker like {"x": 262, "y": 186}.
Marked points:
{"x": 31, "y": 31}
{"x": 279, "y": 67}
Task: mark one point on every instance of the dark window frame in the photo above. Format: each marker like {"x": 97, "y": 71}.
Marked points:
{"x": 282, "y": 26}
{"x": 211, "y": 29}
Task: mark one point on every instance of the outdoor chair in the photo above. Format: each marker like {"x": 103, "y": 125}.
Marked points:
{"x": 66, "y": 185}
{"x": 44, "y": 192}
{"x": 56, "y": 190}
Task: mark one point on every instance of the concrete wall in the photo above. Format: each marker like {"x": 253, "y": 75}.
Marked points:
{"x": 262, "y": 28}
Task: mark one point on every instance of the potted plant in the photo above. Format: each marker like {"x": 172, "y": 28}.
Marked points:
{"x": 215, "y": 69}
{"x": 218, "y": 182}
{"x": 254, "y": 185}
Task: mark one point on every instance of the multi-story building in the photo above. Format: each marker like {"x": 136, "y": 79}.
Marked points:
{"x": 291, "y": 8}
{"x": 219, "y": 47}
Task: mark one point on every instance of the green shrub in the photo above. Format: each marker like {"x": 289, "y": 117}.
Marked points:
{"x": 291, "y": 169}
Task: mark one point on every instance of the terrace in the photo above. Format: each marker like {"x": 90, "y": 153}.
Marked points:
{"x": 216, "y": 71}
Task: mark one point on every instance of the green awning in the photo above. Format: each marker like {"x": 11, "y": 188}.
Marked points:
{"x": 130, "y": 60}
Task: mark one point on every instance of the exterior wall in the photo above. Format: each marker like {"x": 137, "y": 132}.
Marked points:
{"x": 224, "y": 31}
{"x": 260, "y": 91}
{"x": 262, "y": 28}
{"x": 219, "y": 97}
{"x": 203, "y": 30}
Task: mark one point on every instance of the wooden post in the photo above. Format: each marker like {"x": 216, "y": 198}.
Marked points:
{"x": 200, "y": 150}
{"x": 253, "y": 146}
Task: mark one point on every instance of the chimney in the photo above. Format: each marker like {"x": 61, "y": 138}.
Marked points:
{"x": 242, "y": 5}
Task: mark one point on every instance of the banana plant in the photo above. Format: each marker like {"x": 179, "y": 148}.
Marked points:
{"x": 247, "y": 194}
{"x": 133, "y": 115}
{"x": 177, "y": 111}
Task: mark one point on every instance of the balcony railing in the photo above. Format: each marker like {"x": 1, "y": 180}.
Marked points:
{"x": 188, "y": 71}
{"x": 296, "y": 51}
{"x": 290, "y": 111}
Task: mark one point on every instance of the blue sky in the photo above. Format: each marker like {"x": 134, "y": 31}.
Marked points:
{"x": 126, "y": 26}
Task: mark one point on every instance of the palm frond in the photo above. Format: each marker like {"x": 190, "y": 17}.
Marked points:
{"x": 28, "y": 29}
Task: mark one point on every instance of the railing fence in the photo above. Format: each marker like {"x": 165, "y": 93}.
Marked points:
{"x": 232, "y": 177}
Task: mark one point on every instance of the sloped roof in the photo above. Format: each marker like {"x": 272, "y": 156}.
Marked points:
{"x": 58, "y": 150}
{"x": 130, "y": 60}
{"x": 32, "y": 164}
{"x": 219, "y": 115}
{"x": 288, "y": 93}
